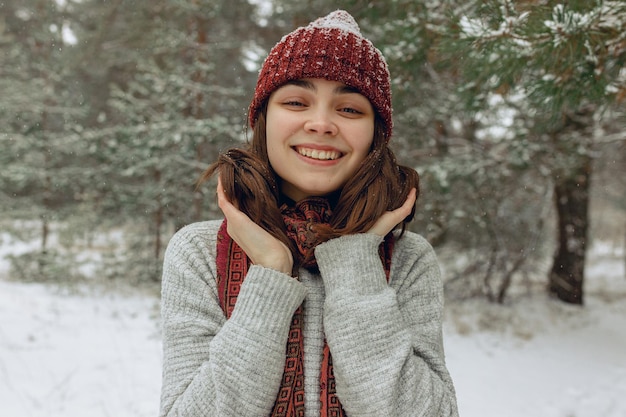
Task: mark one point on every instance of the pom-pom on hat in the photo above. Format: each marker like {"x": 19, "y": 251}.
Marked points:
{"x": 332, "y": 48}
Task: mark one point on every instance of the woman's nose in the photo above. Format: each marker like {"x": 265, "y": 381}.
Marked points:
{"x": 321, "y": 123}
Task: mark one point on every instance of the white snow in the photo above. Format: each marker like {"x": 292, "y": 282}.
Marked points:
{"x": 69, "y": 37}
{"x": 71, "y": 353}
{"x": 539, "y": 357}
{"x": 77, "y": 355}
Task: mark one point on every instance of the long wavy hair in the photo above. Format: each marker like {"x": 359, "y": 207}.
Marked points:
{"x": 379, "y": 185}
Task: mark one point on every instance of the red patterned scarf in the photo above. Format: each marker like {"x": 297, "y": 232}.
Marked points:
{"x": 232, "y": 267}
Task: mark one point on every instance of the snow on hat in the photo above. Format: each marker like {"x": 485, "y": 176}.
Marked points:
{"x": 332, "y": 48}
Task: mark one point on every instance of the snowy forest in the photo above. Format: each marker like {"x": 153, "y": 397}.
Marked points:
{"x": 512, "y": 112}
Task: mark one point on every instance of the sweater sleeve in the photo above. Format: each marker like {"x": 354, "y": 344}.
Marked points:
{"x": 213, "y": 366}
{"x": 386, "y": 338}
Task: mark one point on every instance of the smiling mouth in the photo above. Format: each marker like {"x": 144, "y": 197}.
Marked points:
{"x": 323, "y": 155}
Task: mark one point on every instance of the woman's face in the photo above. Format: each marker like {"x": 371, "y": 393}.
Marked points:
{"x": 318, "y": 133}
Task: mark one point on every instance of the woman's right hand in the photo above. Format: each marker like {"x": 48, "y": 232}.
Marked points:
{"x": 261, "y": 247}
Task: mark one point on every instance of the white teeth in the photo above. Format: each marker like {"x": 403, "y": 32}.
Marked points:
{"x": 319, "y": 154}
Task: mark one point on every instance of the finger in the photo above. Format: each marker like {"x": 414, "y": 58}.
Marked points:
{"x": 221, "y": 196}
{"x": 392, "y": 218}
{"x": 404, "y": 210}
{"x": 222, "y": 201}
{"x": 220, "y": 188}
{"x": 409, "y": 202}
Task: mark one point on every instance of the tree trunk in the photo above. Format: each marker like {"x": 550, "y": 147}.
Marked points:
{"x": 158, "y": 224}
{"x": 572, "y": 204}
{"x": 46, "y": 194}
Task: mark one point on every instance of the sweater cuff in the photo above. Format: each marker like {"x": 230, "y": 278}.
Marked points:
{"x": 351, "y": 264}
{"x": 267, "y": 301}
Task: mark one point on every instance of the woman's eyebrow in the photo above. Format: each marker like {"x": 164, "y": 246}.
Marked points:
{"x": 346, "y": 89}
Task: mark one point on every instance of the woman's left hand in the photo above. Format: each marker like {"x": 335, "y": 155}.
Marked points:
{"x": 390, "y": 219}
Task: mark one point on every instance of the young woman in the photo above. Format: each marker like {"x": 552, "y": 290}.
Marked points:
{"x": 305, "y": 300}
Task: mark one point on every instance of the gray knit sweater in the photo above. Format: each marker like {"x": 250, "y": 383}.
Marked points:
{"x": 385, "y": 338}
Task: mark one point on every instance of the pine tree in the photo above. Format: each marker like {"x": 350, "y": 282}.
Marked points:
{"x": 125, "y": 117}
{"x": 178, "y": 94}
{"x": 566, "y": 63}
{"x": 40, "y": 108}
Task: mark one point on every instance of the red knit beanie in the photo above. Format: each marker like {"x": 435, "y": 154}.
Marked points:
{"x": 332, "y": 48}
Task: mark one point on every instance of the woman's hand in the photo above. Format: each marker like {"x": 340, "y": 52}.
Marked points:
{"x": 390, "y": 219}
{"x": 261, "y": 247}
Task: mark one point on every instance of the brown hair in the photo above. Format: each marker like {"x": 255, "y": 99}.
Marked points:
{"x": 379, "y": 185}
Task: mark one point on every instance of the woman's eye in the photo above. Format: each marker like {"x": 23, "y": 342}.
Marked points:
{"x": 350, "y": 110}
{"x": 295, "y": 103}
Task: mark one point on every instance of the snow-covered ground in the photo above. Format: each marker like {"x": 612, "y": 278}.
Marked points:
{"x": 541, "y": 358}
{"x": 71, "y": 355}
{"x": 68, "y": 353}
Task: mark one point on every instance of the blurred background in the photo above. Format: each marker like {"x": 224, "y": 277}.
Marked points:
{"x": 512, "y": 112}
